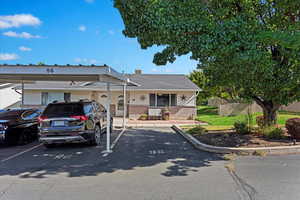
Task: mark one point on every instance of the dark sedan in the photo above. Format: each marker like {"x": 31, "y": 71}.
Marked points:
{"x": 19, "y": 126}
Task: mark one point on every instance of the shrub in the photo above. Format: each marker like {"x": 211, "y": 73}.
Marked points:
{"x": 260, "y": 121}
{"x": 293, "y": 127}
{"x": 198, "y": 130}
{"x": 143, "y": 117}
{"x": 259, "y": 153}
{"x": 273, "y": 132}
{"x": 241, "y": 128}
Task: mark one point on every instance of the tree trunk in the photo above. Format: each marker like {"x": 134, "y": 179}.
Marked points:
{"x": 270, "y": 115}
{"x": 269, "y": 111}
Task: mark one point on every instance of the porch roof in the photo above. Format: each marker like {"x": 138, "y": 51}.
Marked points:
{"x": 18, "y": 73}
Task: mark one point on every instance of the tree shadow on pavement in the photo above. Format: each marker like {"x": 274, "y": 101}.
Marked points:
{"x": 137, "y": 148}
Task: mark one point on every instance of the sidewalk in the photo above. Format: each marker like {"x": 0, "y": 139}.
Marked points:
{"x": 154, "y": 123}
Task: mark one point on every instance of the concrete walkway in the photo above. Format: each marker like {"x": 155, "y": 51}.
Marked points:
{"x": 155, "y": 123}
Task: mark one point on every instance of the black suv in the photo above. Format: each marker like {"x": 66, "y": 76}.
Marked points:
{"x": 73, "y": 122}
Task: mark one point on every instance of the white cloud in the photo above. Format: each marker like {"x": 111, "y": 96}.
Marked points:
{"x": 20, "y": 35}
{"x": 85, "y": 61}
{"x": 8, "y": 56}
{"x": 111, "y": 32}
{"x": 89, "y": 1}
{"x": 82, "y": 28}
{"x": 154, "y": 70}
{"x": 14, "y": 21}
{"x": 22, "y": 48}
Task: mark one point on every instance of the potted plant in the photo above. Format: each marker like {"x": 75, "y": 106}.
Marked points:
{"x": 166, "y": 114}
{"x": 143, "y": 117}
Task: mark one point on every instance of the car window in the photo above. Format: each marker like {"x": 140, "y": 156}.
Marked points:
{"x": 31, "y": 114}
{"x": 63, "y": 110}
{"x": 88, "y": 108}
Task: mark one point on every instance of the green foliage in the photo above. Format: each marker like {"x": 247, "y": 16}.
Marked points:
{"x": 252, "y": 46}
{"x": 198, "y": 130}
{"x": 40, "y": 63}
{"x": 260, "y": 121}
{"x": 241, "y": 128}
{"x": 272, "y": 132}
{"x": 209, "y": 90}
{"x": 210, "y": 115}
{"x": 143, "y": 117}
{"x": 249, "y": 120}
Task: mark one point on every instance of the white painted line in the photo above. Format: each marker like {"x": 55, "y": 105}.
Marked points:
{"x": 20, "y": 153}
{"x": 117, "y": 139}
{"x": 105, "y": 154}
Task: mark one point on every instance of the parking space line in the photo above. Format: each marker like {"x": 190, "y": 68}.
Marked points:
{"x": 20, "y": 153}
{"x": 117, "y": 139}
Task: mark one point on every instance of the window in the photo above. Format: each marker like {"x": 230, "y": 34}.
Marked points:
{"x": 63, "y": 110}
{"x": 163, "y": 100}
{"x": 173, "y": 100}
{"x": 44, "y": 98}
{"x": 88, "y": 108}
{"x": 67, "y": 97}
{"x": 49, "y": 97}
{"x": 32, "y": 114}
{"x": 152, "y": 100}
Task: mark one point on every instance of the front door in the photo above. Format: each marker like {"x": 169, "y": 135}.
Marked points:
{"x": 120, "y": 106}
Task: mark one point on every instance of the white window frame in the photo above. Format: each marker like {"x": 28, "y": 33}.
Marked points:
{"x": 170, "y": 100}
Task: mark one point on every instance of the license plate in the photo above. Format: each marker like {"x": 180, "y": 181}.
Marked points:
{"x": 58, "y": 123}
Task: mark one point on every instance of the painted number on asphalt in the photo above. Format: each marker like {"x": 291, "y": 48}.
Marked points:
{"x": 154, "y": 152}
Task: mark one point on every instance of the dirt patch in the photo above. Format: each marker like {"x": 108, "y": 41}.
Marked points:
{"x": 231, "y": 139}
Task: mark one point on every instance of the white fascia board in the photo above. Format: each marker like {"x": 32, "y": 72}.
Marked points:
{"x": 112, "y": 89}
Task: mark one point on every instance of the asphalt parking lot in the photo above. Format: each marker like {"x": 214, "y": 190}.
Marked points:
{"x": 147, "y": 164}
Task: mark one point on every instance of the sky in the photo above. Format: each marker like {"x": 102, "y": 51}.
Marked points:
{"x": 74, "y": 32}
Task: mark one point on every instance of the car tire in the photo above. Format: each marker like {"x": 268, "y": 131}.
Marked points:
{"x": 96, "y": 137}
{"x": 24, "y": 137}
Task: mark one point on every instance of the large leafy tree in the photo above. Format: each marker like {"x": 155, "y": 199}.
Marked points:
{"x": 251, "y": 45}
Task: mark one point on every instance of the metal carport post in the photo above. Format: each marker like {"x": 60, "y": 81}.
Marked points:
{"x": 24, "y": 73}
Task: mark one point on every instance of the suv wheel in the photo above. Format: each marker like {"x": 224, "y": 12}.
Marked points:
{"x": 96, "y": 138}
{"x": 25, "y": 137}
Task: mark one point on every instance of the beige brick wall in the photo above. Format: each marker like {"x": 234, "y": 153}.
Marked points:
{"x": 232, "y": 109}
{"x": 176, "y": 112}
{"x": 183, "y": 112}
{"x": 293, "y": 107}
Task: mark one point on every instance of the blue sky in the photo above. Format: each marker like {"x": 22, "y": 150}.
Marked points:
{"x": 74, "y": 32}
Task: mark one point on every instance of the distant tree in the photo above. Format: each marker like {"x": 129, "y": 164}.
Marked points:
{"x": 40, "y": 63}
{"x": 208, "y": 90}
{"x": 251, "y": 45}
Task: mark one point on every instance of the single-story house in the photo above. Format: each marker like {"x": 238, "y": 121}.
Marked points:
{"x": 172, "y": 91}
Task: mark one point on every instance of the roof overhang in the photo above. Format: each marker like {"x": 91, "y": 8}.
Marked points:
{"x": 29, "y": 73}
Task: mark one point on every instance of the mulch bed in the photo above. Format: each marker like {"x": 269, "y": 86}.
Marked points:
{"x": 231, "y": 139}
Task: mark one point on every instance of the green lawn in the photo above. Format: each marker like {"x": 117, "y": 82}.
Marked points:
{"x": 210, "y": 115}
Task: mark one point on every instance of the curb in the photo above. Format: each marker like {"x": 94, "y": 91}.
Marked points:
{"x": 210, "y": 148}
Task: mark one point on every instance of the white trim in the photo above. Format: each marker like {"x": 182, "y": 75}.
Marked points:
{"x": 99, "y": 89}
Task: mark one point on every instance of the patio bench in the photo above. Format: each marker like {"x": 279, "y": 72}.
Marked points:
{"x": 154, "y": 113}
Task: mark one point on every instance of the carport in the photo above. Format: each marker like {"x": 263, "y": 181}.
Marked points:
{"x": 30, "y": 73}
